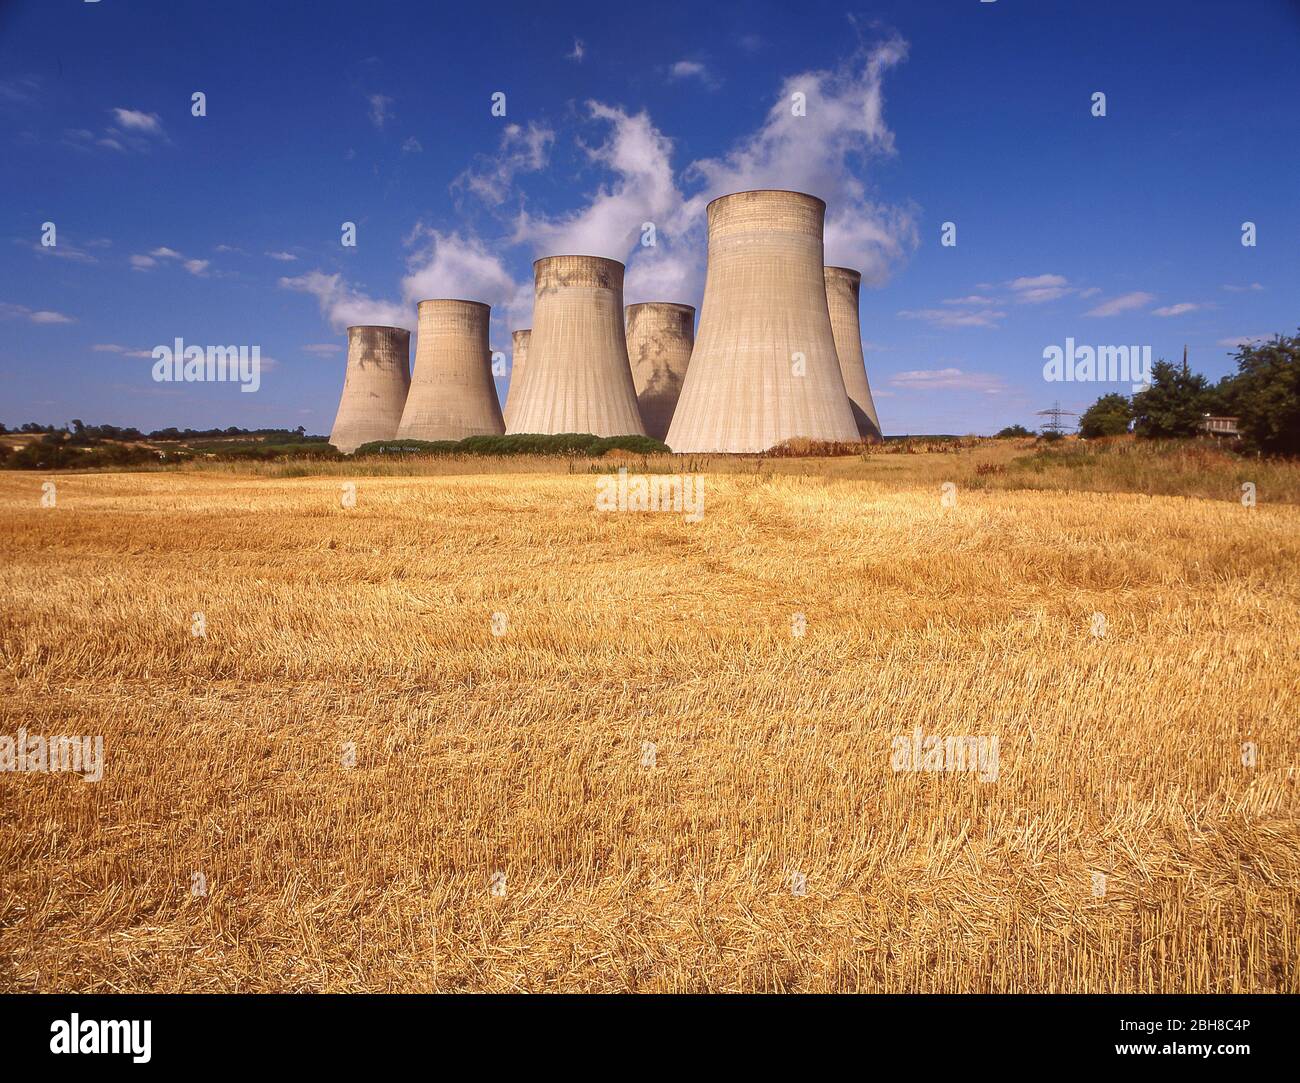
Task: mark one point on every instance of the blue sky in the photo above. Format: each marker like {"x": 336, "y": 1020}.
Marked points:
{"x": 225, "y": 229}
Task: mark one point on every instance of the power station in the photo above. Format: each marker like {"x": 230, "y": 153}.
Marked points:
{"x": 518, "y": 359}
{"x": 577, "y": 378}
{"x": 374, "y": 386}
{"x": 764, "y": 368}
{"x": 452, "y": 395}
{"x": 778, "y": 355}
{"x": 843, "y": 285}
{"x": 660, "y": 336}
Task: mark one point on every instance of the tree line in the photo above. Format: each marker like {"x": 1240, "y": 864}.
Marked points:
{"x": 1263, "y": 394}
{"x": 78, "y": 432}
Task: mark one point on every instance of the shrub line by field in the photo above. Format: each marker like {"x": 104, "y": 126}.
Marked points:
{"x": 1195, "y": 468}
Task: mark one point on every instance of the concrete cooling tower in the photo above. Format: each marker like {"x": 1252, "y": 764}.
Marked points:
{"x": 764, "y": 368}
{"x": 452, "y": 394}
{"x": 577, "y": 378}
{"x": 518, "y": 361}
{"x": 659, "y": 340}
{"x": 374, "y": 387}
{"x": 843, "y": 285}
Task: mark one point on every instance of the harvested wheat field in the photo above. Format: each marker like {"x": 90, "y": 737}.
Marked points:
{"x": 648, "y": 781}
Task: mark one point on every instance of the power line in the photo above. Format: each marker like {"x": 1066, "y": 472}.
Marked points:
{"x": 1055, "y": 414}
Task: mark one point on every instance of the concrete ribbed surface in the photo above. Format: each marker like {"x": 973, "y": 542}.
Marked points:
{"x": 843, "y": 289}
{"x": 764, "y": 302}
{"x": 374, "y": 386}
{"x": 452, "y": 395}
{"x": 577, "y": 378}
{"x": 518, "y": 363}
{"x": 660, "y": 336}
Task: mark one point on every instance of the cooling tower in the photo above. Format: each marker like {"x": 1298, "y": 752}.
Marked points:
{"x": 518, "y": 359}
{"x": 452, "y": 394}
{"x": 659, "y": 340}
{"x": 842, "y": 287}
{"x": 764, "y": 368}
{"x": 374, "y": 387}
{"x": 577, "y": 378}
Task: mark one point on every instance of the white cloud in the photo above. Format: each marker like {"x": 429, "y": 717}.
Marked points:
{"x": 1175, "y": 310}
{"x": 452, "y": 265}
{"x": 663, "y": 273}
{"x": 109, "y": 347}
{"x": 1254, "y": 286}
{"x": 44, "y": 315}
{"x": 19, "y": 91}
{"x": 379, "y": 111}
{"x": 1040, "y": 288}
{"x": 345, "y": 306}
{"x": 1243, "y": 340}
{"x": 691, "y": 69}
{"x": 440, "y": 265}
{"x": 133, "y": 130}
{"x": 283, "y": 257}
{"x": 64, "y": 250}
{"x": 322, "y": 348}
{"x": 949, "y": 379}
{"x": 1037, "y": 281}
{"x": 640, "y": 157}
{"x": 579, "y": 51}
{"x": 950, "y": 317}
{"x": 1124, "y": 303}
{"x": 973, "y": 299}
{"x": 522, "y": 150}
{"x": 821, "y": 153}
{"x": 845, "y": 115}
{"x": 133, "y": 120}
{"x": 162, "y": 252}
{"x": 412, "y": 145}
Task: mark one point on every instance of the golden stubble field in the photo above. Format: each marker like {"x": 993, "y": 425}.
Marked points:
{"x": 525, "y": 754}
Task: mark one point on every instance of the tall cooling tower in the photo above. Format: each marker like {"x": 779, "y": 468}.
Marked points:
{"x": 452, "y": 394}
{"x": 577, "y": 378}
{"x": 764, "y": 368}
{"x": 518, "y": 361}
{"x": 374, "y": 387}
{"x": 659, "y": 340}
{"x": 843, "y": 285}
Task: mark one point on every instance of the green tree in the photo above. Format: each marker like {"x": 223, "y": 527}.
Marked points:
{"x": 1014, "y": 430}
{"x": 1173, "y": 405}
{"x": 1265, "y": 395}
{"x": 1108, "y": 416}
